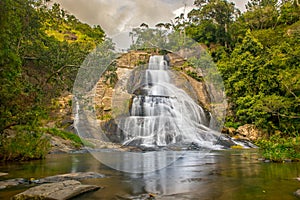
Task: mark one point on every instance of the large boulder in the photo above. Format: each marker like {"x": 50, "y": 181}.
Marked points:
{"x": 56, "y": 191}
{"x": 249, "y": 131}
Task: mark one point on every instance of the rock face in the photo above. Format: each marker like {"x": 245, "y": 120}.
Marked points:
{"x": 60, "y": 145}
{"x": 105, "y": 86}
{"x": 126, "y": 63}
{"x": 229, "y": 131}
{"x": 249, "y": 131}
{"x": 56, "y": 191}
{"x": 200, "y": 90}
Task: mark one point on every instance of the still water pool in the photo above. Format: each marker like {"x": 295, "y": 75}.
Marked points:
{"x": 226, "y": 175}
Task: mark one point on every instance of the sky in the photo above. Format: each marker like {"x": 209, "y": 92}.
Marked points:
{"x": 117, "y": 17}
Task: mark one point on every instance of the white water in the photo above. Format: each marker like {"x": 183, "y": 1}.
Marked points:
{"x": 165, "y": 115}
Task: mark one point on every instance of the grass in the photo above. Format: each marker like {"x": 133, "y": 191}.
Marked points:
{"x": 76, "y": 140}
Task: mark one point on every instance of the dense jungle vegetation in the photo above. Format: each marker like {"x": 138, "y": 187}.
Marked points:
{"x": 256, "y": 51}
{"x": 41, "y": 49}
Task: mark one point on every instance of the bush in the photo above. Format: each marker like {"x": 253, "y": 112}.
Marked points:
{"x": 279, "y": 149}
{"x": 26, "y": 144}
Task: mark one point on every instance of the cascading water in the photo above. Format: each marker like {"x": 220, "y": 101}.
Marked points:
{"x": 164, "y": 114}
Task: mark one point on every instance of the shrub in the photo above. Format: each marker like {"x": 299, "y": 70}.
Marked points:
{"x": 279, "y": 149}
{"x": 26, "y": 144}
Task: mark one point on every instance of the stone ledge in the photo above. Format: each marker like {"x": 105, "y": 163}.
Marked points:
{"x": 50, "y": 179}
{"x": 56, "y": 191}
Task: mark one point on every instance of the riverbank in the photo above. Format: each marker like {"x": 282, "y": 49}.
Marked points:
{"x": 36, "y": 143}
{"x": 30, "y": 143}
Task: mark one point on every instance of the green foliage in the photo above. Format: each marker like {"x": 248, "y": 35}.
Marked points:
{"x": 76, "y": 140}
{"x": 231, "y": 123}
{"x": 258, "y": 57}
{"x": 106, "y": 117}
{"x": 259, "y": 83}
{"x": 204, "y": 32}
{"x": 27, "y": 144}
{"x": 41, "y": 50}
{"x": 110, "y": 75}
{"x": 211, "y": 21}
{"x": 279, "y": 149}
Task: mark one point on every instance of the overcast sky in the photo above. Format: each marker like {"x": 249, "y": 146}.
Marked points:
{"x": 118, "y": 16}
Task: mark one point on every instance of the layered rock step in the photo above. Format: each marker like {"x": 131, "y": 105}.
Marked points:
{"x": 56, "y": 191}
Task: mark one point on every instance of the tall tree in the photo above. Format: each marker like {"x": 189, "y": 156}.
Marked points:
{"x": 218, "y": 13}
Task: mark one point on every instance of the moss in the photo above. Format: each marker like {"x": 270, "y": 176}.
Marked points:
{"x": 195, "y": 76}
{"x": 236, "y": 147}
{"x": 106, "y": 117}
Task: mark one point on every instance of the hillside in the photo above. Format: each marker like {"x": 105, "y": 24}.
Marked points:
{"x": 41, "y": 50}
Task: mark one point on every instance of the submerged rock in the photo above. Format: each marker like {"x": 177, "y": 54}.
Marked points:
{"x": 11, "y": 182}
{"x": 71, "y": 176}
{"x": 3, "y": 174}
{"x": 56, "y": 191}
{"x": 297, "y": 193}
{"x": 50, "y": 179}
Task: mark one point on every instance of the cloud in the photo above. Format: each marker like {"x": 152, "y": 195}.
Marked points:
{"x": 116, "y": 16}
{"x": 240, "y": 4}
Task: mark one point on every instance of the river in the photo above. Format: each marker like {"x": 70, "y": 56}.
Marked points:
{"x": 226, "y": 175}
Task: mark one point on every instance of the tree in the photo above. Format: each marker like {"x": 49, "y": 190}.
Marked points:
{"x": 35, "y": 67}
{"x": 261, "y": 14}
{"x": 219, "y": 13}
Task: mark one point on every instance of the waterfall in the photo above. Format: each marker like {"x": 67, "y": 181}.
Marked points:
{"x": 165, "y": 114}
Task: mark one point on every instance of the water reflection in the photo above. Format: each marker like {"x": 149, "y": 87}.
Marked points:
{"x": 220, "y": 175}
{"x": 137, "y": 162}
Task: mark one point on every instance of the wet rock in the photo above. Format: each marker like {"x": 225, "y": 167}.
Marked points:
{"x": 3, "y": 174}
{"x": 194, "y": 146}
{"x": 51, "y": 179}
{"x": 67, "y": 122}
{"x": 229, "y": 131}
{"x": 244, "y": 143}
{"x": 297, "y": 193}
{"x": 11, "y": 182}
{"x": 225, "y": 141}
{"x": 60, "y": 145}
{"x": 71, "y": 176}
{"x": 149, "y": 196}
{"x": 56, "y": 191}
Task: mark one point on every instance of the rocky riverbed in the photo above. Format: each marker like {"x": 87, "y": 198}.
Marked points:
{"x": 58, "y": 187}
